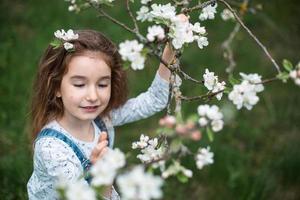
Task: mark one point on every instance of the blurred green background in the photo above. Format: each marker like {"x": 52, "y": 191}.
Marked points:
{"x": 257, "y": 155}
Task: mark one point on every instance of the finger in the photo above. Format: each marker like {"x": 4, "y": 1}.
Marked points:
{"x": 97, "y": 150}
{"x": 103, "y": 136}
{"x": 183, "y": 17}
{"x": 103, "y": 152}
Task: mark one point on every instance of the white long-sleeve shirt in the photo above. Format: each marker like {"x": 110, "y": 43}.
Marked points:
{"x": 53, "y": 158}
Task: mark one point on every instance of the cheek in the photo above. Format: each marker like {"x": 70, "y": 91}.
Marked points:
{"x": 106, "y": 95}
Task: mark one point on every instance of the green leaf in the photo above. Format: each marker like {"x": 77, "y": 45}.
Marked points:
{"x": 193, "y": 118}
{"x": 145, "y": 51}
{"x": 55, "y": 43}
{"x": 227, "y": 90}
{"x": 288, "y": 66}
{"x": 175, "y": 145}
{"x": 233, "y": 81}
{"x": 126, "y": 65}
{"x": 283, "y": 76}
{"x": 210, "y": 134}
{"x": 182, "y": 178}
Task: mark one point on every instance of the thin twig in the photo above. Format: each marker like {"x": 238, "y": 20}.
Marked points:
{"x": 252, "y": 35}
{"x": 228, "y": 54}
{"x": 132, "y": 17}
{"x": 199, "y": 6}
{"x": 209, "y": 95}
{"x": 104, "y": 14}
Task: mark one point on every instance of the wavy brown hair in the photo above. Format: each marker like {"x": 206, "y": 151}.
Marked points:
{"x": 45, "y": 105}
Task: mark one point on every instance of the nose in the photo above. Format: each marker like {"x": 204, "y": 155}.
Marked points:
{"x": 92, "y": 94}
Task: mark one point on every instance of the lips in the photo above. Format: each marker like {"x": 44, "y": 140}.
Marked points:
{"x": 90, "y": 108}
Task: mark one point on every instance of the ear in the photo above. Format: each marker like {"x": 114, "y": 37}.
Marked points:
{"x": 58, "y": 94}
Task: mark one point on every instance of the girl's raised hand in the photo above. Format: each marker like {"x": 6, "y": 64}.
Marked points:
{"x": 100, "y": 149}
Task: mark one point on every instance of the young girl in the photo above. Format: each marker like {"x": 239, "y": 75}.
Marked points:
{"x": 79, "y": 93}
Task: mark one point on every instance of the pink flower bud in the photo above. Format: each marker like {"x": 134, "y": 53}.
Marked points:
{"x": 190, "y": 125}
{"x": 170, "y": 121}
{"x": 162, "y": 122}
{"x": 181, "y": 129}
{"x": 196, "y": 135}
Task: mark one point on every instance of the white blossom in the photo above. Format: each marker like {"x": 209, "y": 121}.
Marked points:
{"x": 145, "y": 1}
{"x": 213, "y": 113}
{"x": 198, "y": 29}
{"x": 131, "y": 51}
{"x": 209, "y": 79}
{"x": 181, "y": 32}
{"x": 105, "y": 169}
{"x": 143, "y": 14}
{"x": 211, "y": 83}
{"x": 295, "y": 75}
{"x": 254, "y": 79}
{"x": 68, "y": 46}
{"x": 226, "y": 14}
{"x": 102, "y": 1}
{"x": 137, "y": 184}
{"x": 155, "y": 32}
{"x": 163, "y": 12}
{"x": 149, "y": 149}
{"x": 244, "y": 94}
{"x": 204, "y": 157}
{"x": 142, "y": 143}
{"x": 80, "y": 190}
{"x": 217, "y": 125}
{"x": 66, "y": 36}
{"x": 201, "y": 41}
{"x": 203, "y": 121}
{"x": 208, "y": 12}
{"x": 210, "y": 115}
{"x": 218, "y": 87}
{"x": 176, "y": 168}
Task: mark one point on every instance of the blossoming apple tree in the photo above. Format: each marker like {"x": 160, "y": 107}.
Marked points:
{"x": 164, "y": 152}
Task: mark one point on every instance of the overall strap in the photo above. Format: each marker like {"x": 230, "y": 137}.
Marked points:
{"x": 101, "y": 125}
{"x": 86, "y": 164}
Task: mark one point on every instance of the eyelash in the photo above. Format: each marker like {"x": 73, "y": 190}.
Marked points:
{"x": 81, "y": 85}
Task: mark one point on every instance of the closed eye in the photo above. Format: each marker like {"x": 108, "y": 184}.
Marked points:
{"x": 103, "y": 85}
{"x": 78, "y": 85}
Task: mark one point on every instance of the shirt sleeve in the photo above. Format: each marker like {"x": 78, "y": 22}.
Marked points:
{"x": 144, "y": 105}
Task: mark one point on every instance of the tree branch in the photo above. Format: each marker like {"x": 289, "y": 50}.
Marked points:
{"x": 252, "y": 35}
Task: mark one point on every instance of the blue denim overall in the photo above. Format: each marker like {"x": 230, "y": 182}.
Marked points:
{"x": 85, "y": 162}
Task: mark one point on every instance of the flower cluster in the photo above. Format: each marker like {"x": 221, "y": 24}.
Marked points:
{"x": 131, "y": 51}
{"x": 208, "y": 12}
{"x": 212, "y": 84}
{"x": 187, "y": 129}
{"x": 204, "y": 157}
{"x": 149, "y": 149}
{"x": 80, "y": 190}
{"x": 210, "y": 115}
{"x": 155, "y": 32}
{"x": 295, "y": 74}
{"x": 105, "y": 169}
{"x": 176, "y": 168}
{"x": 140, "y": 185}
{"x": 181, "y": 32}
{"x": 65, "y": 37}
{"x": 245, "y": 93}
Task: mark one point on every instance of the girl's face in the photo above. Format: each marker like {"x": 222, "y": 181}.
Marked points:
{"x": 86, "y": 87}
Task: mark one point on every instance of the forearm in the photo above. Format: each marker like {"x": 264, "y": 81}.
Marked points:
{"x": 168, "y": 56}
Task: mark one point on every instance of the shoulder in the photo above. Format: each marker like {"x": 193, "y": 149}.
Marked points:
{"x": 50, "y": 148}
